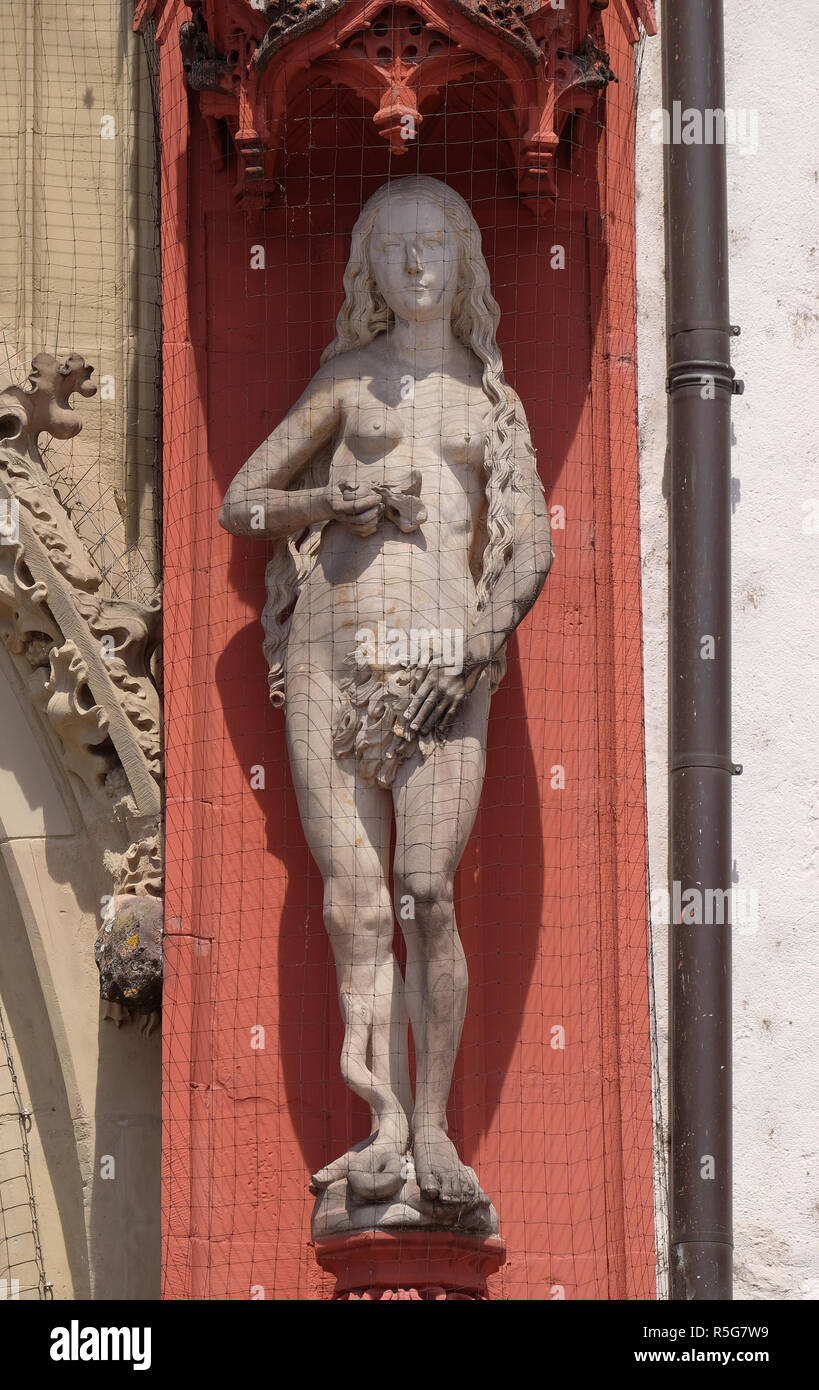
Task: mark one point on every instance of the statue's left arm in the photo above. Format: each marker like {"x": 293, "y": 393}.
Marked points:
{"x": 531, "y": 553}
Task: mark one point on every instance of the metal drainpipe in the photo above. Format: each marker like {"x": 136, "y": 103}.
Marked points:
{"x": 700, "y": 385}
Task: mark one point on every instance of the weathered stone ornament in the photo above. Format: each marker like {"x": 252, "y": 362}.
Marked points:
{"x": 411, "y": 537}
{"x": 88, "y": 662}
{"x": 538, "y": 61}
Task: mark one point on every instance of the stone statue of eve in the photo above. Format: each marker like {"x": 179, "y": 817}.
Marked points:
{"x": 402, "y": 493}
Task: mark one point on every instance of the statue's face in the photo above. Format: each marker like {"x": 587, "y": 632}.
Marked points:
{"x": 414, "y": 259}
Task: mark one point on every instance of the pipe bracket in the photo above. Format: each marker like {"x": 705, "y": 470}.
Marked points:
{"x": 706, "y": 326}
{"x": 717, "y": 760}
{"x": 695, "y": 371}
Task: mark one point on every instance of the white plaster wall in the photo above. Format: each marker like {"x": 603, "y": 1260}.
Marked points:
{"x": 774, "y": 238}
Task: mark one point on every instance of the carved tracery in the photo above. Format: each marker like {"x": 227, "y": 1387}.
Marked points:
{"x": 252, "y": 66}
{"x": 87, "y": 661}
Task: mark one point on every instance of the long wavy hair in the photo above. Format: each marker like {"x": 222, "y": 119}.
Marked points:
{"x": 363, "y": 315}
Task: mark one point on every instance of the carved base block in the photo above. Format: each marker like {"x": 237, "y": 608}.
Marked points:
{"x": 338, "y": 1212}
{"x": 424, "y": 1266}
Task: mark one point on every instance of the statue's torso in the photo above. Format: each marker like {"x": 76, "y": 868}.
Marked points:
{"x": 392, "y": 428}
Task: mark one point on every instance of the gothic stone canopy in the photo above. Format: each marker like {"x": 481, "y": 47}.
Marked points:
{"x": 252, "y": 61}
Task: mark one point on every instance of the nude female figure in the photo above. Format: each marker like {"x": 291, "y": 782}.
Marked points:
{"x": 403, "y": 495}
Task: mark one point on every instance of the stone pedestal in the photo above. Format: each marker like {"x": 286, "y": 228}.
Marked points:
{"x": 416, "y": 1265}
{"x": 405, "y": 1247}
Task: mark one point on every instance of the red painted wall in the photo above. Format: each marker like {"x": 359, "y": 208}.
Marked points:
{"x": 552, "y": 889}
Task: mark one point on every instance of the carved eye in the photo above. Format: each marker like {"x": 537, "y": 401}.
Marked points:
{"x": 10, "y": 426}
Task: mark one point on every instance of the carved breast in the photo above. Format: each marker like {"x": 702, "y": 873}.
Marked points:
{"x": 373, "y": 432}
{"x": 464, "y": 448}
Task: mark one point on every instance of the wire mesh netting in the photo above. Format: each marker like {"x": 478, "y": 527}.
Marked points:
{"x": 22, "y": 1272}
{"x": 333, "y": 824}
{"x": 462, "y": 353}
{"x": 79, "y": 273}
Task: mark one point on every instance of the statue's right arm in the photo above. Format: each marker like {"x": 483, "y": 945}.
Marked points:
{"x": 257, "y": 502}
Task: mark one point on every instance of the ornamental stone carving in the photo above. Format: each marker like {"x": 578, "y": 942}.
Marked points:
{"x": 89, "y": 663}
{"x": 251, "y": 65}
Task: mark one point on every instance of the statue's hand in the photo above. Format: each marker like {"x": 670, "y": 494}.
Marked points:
{"x": 403, "y": 507}
{"x": 360, "y": 509}
{"x": 437, "y": 700}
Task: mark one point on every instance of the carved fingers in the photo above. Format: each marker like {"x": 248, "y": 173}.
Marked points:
{"x": 436, "y": 701}
{"x": 359, "y": 509}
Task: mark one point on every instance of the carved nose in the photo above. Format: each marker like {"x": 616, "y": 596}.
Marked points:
{"x": 414, "y": 266}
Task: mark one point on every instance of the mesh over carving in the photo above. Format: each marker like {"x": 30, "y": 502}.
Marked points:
{"x": 330, "y": 875}
{"x": 369, "y": 724}
{"x": 363, "y": 316}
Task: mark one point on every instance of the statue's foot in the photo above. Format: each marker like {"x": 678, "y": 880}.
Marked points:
{"x": 332, "y": 1172}
{"x": 374, "y": 1168}
{"x": 442, "y": 1177}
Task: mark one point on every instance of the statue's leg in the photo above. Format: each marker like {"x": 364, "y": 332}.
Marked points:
{"x": 347, "y": 825}
{"x": 435, "y": 807}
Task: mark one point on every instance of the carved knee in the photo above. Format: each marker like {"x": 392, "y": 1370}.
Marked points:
{"x": 360, "y": 930}
{"x": 427, "y": 904}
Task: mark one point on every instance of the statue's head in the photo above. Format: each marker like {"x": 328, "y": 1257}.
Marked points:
{"x": 414, "y": 257}
{"x": 415, "y": 254}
